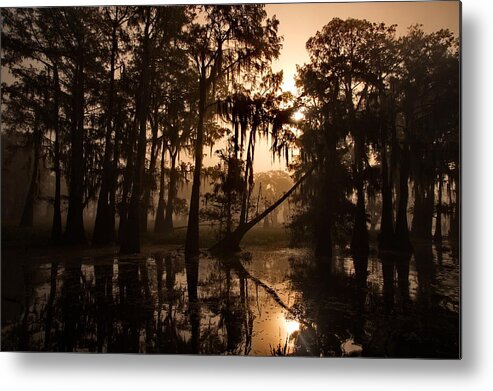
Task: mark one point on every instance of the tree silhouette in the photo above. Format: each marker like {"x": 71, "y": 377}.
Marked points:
{"x": 114, "y": 20}
{"x": 159, "y": 26}
{"x": 233, "y": 38}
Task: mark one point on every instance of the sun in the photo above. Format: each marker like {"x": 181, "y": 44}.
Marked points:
{"x": 298, "y": 115}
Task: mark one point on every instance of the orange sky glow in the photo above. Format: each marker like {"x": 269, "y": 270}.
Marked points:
{"x": 299, "y": 22}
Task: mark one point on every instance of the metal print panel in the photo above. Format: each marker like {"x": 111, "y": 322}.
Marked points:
{"x": 261, "y": 179}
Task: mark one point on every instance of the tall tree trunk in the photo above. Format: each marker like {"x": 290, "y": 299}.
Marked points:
{"x": 325, "y": 219}
{"x": 149, "y": 179}
{"x": 359, "y": 241}
{"x": 388, "y": 267}
{"x": 130, "y": 242}
{"x": 229, "y": 215}
{"x": 159, "y": 222}
{"x": 248, "y": 174}
{"x": 103, "y": 231}
{"x": 323, "y": 234}
{"x": 438, "y": 225}
{"x": 386, "y": 237}
{"x": 430, "y": 206}
{"x": 417, "y": 208}
{"x": 56, "y": 229}
{"x": 127, "y": 179}
{"x": 172, "y": 190}
{"x": 74, "y": 231}
{"x": 424, "y": 193}
{"x": 402, "y": 241}
{"x": 455, "y": 217}
{"x": 28, "y": 212}
{"x": 192, "y": 239}
{"x": 115, "y": 175}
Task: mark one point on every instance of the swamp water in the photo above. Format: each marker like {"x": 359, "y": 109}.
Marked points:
{"x": 266, "y": 301}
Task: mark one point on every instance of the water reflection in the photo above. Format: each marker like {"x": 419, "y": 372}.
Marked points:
{"x": 265, "y": 302}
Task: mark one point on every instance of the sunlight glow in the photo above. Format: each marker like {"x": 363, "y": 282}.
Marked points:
{"x": 298, "y": 115}
{"x": 292, "y": 326}
{"x": 289, "y": 84}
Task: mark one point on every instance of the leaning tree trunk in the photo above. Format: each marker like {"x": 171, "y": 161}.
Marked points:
{"x": 231, "y": 242}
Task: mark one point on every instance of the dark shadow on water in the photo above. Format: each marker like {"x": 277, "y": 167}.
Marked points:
{"x": 192, "y": 271}
{"x": 104, "y": 305}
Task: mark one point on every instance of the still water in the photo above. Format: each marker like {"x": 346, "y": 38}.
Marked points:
{"x": 266, "y": 301}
